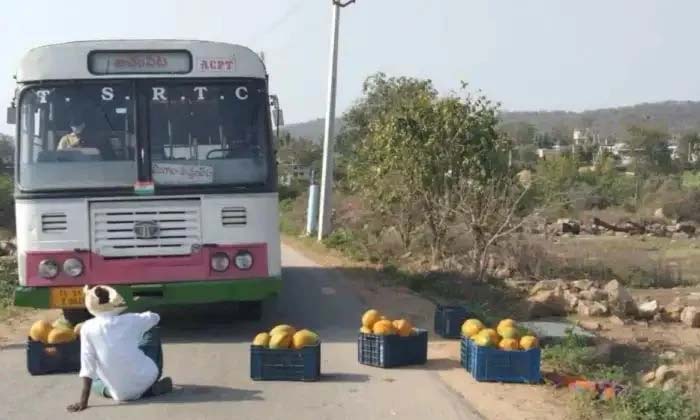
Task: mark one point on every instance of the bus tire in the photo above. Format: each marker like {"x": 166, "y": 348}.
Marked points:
{"x": 250, "y": 310}
{"x": 76, "y": 316}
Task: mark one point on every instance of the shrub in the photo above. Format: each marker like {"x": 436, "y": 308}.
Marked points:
{"x": 654, "y": 404}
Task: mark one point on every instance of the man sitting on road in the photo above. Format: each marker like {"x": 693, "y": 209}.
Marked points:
{"x": 118, "y": 356}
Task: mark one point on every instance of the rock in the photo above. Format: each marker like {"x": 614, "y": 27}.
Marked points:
{"x": 659, "y": 213}
{"x": 593, "y": 294}
{"x": 616, "y": 320}
{"x": 687, "y": 228}
{"x": 643, "y": 324}
{"x": 680, "y": 235}
{"x": 669, "y": 355}
{"x": 8, "y": 248}
{"x": 647, "y": 310}
{"x": 569, "y": 226}
{"x": 519, "y": 284}
{"x": 582, "y": 284}
{"x": 591, "y": 309}
{"x": 620, "y": 300}
{"x": 670, "y": 384}
{"x": 662, "y": 374}
{"x": 590, "y": 325}
{"x": 548, "y": 285}
{"x": 641, "y": 339}
{"x": 649, "y": 377}
{"x": 672, "y": 311}
{"x": 658, "y": 317}
{"x": 547, "y": 303}
{"x": 571, "y": 300}
{"x": 691, "y": 317}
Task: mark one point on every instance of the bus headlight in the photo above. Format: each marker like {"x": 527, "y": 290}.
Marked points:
{"x": 220, "y": 262}
{"x": 73, "y": 267}
{"x": 48, "y": 269}
{"x": 243, "y": 260}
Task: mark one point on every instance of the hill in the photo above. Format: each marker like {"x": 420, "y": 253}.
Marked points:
{"x": 676, "y": 116}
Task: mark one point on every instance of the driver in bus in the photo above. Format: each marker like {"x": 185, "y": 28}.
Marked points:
{"x": 74, "y": 139}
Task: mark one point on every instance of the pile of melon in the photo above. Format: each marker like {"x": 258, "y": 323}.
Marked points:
{"x": 373, "y": 322}
{"x": 506, "y": 336}
{"x": 286, "y": 337}
{"x": 61, "y": 331}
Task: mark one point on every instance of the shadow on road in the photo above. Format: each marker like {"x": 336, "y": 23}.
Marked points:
{"x": 189, "y": 393}
{"x": 344, "y": 377}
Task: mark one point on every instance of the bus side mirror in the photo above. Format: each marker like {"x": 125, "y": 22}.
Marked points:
{"x": 278, "y": 117}
{"x": 11, "y": 115}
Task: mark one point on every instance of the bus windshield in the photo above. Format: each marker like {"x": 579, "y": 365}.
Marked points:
{"x": 77, "y": 136}
{"x": 208, "y": 133}
{"x": 84, "y": 135}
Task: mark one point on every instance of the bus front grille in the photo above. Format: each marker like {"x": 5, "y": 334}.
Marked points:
{"x": 145, "y": 228}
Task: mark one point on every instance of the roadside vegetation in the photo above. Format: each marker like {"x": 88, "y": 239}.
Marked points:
{"x": 436, "y": 194}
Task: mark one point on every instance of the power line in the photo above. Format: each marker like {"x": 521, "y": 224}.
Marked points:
{"x": 291, "y": 11}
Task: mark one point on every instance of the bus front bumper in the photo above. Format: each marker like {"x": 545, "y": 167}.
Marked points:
{"x": 177, "y": 293}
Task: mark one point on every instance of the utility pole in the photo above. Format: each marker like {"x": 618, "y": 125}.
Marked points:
{"x": 326, "y": 206}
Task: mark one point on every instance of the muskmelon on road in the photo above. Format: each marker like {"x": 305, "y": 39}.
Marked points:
{"x": 283, "y": 329}
{"x": 280, "y": 341}
{"x": 370, "y": 317}
{"x": 40, "y": 331}
{"x": 471, "y": 327}
{"x": 403, "y": 327}
{"x": 304, "y": 338}
{"x": 384, "y": 327}
{"x": 60, "y": 336}
{"x": 262, "y": 339}
{"x": 365, "y": 330}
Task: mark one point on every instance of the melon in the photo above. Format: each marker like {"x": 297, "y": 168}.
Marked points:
{"x": 508, "y": 344}
{"x": 62, "y": 323}
{"x": 40, "y": 331}
{"x": 491, "y": 334}
{"x": 508, "y": 332}
{"x": 61, "y": 335}
{"x": 383, "y": 327}
{"x": 283, "y": 329}
{"x": 280, "y": 341}
{"x": 77, "y": 328}
{"x": 403, "y": 327}
{"x": 504, "y": 324}
{"x": 482, "y": 340}
{"x": 471, "y": 327}
{"x": 304, "y": 338}
{"x": 370, "y": 317}
{"x": 528, "y": 342}
{"x": 262, "y": 339}
{"x": 365, "y": 330}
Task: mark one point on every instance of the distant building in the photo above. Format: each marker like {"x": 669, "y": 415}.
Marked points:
{"x": 294, "y": 172}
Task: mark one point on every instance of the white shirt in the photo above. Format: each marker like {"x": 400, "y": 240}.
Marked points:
{"x": 109, "y": 351}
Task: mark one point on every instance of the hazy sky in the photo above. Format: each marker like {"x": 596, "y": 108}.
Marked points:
{"x": 527, "y": 54}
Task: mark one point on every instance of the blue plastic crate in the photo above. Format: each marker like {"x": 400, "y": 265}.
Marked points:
{"x": 464, "y": 353}
{"x": 449, "y": 320}
{"x": 388, "y": 351}
{"x": 44, "y": 359}
{"x": 285, "y": 364}
{"x": 487, "y": 364}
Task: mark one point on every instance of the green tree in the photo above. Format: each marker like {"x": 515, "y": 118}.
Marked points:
{"x": 427, "y": 146}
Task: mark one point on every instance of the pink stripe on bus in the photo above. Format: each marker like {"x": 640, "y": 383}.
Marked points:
{"x": 100, "y": 270}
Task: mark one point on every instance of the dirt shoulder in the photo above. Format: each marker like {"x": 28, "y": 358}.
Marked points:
{"x": 492, "y": 400}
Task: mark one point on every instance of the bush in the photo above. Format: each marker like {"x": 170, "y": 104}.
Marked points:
{"x": 7, "y": 202}
{"x": 655, "y": 404}
{"x": 8, "y": 281}
{"x": 686, "y": 209}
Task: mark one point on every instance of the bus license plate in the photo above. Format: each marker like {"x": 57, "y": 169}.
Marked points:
{"x": 67, "y": 297}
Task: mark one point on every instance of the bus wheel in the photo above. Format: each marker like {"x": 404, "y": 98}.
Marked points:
{"x": 76, "y": 316}
{"x": 250, "y": 310}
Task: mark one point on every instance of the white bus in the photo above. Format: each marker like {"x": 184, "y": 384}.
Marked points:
{"x": 149, "y": 166}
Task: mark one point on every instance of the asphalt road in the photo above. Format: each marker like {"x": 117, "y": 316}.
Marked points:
{"x": 208, "y": 358}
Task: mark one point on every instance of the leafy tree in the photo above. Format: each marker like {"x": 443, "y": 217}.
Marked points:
{"x": 520, "y": 132}
{"x": 426, "y": 147}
